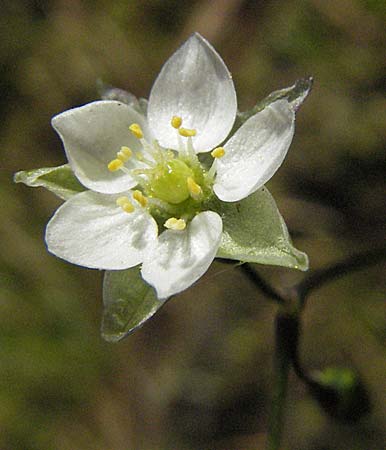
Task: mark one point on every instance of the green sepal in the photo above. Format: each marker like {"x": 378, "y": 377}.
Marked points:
{"x": 254, "y": 231}
{"x": 295, "y": 95}
{"x": 128, "y": 303}
{"x": 59, "y": 180}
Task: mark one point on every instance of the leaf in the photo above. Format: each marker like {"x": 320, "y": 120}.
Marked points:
{"x": 59, "y": 180}
{"x": 295, "y": 95}
{"x": 254, "y": 231}
{"x": 128, "y": 303}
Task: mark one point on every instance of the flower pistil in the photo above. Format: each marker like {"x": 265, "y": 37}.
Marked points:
{"x": 176, "y": 181}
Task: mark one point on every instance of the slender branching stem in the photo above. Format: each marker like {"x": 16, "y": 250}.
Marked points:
{"x": 263, "y": 285}
{"x": 288, "y": 327}
{"x": 286, "y": 332}
{"x": 318, "y": 278}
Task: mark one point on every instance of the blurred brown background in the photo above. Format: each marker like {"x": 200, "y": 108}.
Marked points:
{"x": 198, "y": 376}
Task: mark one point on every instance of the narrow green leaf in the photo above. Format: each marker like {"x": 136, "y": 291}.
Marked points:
{"x": 295, "y": 95}
{"x": 59, "y": 180}
{"x": 254, "y": 231}
{"x": 128, "y": 303}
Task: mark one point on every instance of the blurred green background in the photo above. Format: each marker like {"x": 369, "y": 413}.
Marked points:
{"x": 198, "y": 376}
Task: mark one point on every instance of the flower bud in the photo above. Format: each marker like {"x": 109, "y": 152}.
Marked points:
{"x": 340, "y": 393}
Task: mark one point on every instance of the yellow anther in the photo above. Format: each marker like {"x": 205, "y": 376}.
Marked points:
{"x": 128, "y": 207}
{"x": 141, "y": 199}
{"x": 125, "y": 204}
{"x": 127, "y": 151}
{"x": 218, "y": 152}
{"x": 176, "y": 122}
{"x": 139, "y": 156}
{"x": 136, "y": 130}
{"x": 122, "y": 157}
{"x": 114, "y": 165}
{"x": 175, "y": 224}
{"x": 194, "y": 189}
{"x": 124, "y": 154}
{"x": 187, "y": 132}
{"x": 120, "y": 201}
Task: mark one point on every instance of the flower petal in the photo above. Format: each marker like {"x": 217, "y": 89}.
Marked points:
{"x": 255, "y": 152}
{"x": 92, "y": 231}
{"x": 179, "y": 258}
{"x": 196, "y": 85}
{"x": 92, "y": 135}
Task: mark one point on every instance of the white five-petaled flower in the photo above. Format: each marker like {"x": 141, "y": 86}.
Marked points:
{"x": 149, "y": 196}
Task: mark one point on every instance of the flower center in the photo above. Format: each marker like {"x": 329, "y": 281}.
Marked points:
{"x": 170, "y": 182}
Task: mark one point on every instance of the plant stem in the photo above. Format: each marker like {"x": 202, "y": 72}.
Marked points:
{"x": 287, "y": 328}
{"x": 286, "y": 336}
{"x": 259, "y": 282}
{"x": 320, "y": 277}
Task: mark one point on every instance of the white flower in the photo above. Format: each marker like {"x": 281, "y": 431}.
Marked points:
{"x": 149, "y": 195}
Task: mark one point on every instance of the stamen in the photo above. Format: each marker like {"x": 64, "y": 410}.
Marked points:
{"x": 142, "y": 172}
{"x": 175, "y": 224}
{"x": 181, "y": 146}
{"x": 120, "y": 201}
{"x": 194, "y": 189}
{"x": 114, "y": 165}
{"x": 158, "y": 153}
{"x": 139, "y": 156}
{"x": 212, "y": 171}
{"x": 147, "y": 148}
{"x": 141, "y": 199}
{"x": 161, "y": 205}
{"x": 124, "y": 154}
{"x": 125, "y": 204}
{"x": 176, "y": 122}
{"x": 191, "y": 153}
{"x": 218, "y": 152}
{"x": 126, "y": 170}
{"x": 187, "y": 132}
{"x": 128, "y": 207}
{"x": 136, "y": 130}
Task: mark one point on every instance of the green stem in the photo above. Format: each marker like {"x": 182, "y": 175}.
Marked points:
{"x": 265, "y": 287}
{"x": 286, "y": 336}
{"x": 292, "y": 303}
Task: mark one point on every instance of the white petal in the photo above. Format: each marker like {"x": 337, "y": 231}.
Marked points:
{"x": 179, "y": 258}
{"x": 92, "y": 135}
{"x": 92, "y": 231}
{"x": 196, "y": 85}
{"x": 255, "y": 152}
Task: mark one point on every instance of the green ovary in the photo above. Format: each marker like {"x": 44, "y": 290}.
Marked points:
{"x": 169, "y": 182}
